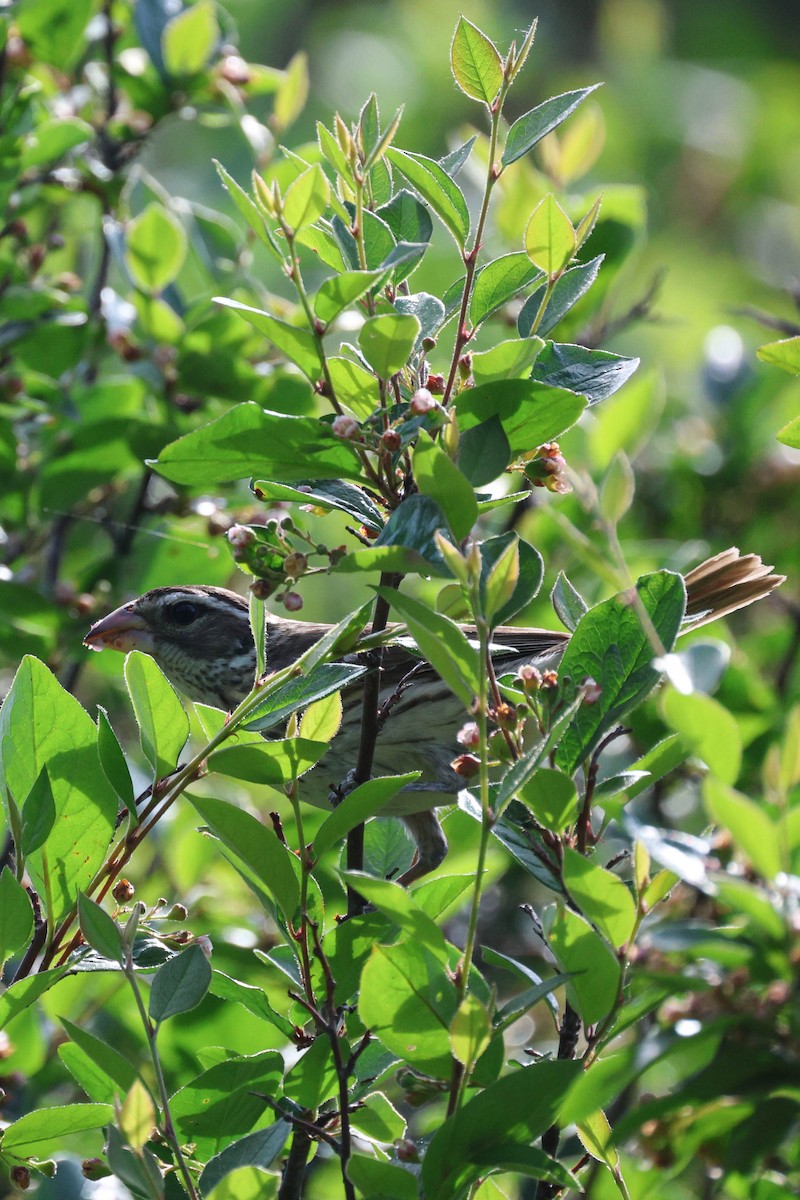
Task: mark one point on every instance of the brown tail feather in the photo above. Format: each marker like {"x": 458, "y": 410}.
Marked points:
{"x": 724, "y": 583}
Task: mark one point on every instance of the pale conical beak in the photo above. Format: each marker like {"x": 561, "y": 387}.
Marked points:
{"x": 123, "y": 629}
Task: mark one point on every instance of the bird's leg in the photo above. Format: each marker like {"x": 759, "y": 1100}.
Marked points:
{"x": 426, "y": 830}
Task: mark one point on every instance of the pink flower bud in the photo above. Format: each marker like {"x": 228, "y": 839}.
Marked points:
{"x": 346, "y": 427}
{"x": 240, "y": 536}
{"x": 422, "y": 402}
{"x": 466, "y": 765}
{"x": 531, "y": 678}
{"x": 293, "y": 601}
{"x": 591, "y": 691}
{"x": 469, "y": 736}
{"x": 391, "y": 440}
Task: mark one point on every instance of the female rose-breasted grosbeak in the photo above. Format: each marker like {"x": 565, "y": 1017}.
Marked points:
{"x": 201, "y": 639}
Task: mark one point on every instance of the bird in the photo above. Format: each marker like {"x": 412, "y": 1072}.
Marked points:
{"x": 201, "y": 638}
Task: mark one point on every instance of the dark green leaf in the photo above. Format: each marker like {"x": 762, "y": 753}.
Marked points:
{"x": 112, "y": 760}
{"x": 224, "y": 1102}
{"x": 259, "y": 1149}
{"x": 500, "y": 281}
{"x": 568, "y": 290}
{"x": 531, "y": 573}
{"x": 250, "y": 997}
{"x": 247, "y": 441}
{"x": 530, "y": 413}
{"x": 534, "y": 125}
{"x": 180, "y": 985}
{"x": 408, "y": 219}
{"x": 437, "y": 189}
{"x": 570, "y": 606}
{"x": 16, "y": 916}
{"x": 328, "y": 494}
{"x": 442, "y": 643}
{"x": 428, "y": 310}
{"x": 118, "y": 1068}
{"x": 595, "y": 374}
{"x": 407, "y": 542}
{"x": 298, "y": 345}
{"x": 437, "y": 476}
{"x": 38, "y": 814}
{"x": 454, "y": 161}
{"x": 358, "y": 806}
{"x": 515, "y": 1109}
{"x": 611, "y": 646}
{"x": 300, "y": 692}
{"x": 484, "y": 452}
{"x": 100, "y": 930}
{"x": 257, "y": 847}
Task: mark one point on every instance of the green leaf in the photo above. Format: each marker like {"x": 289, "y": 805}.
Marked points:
{"x": 549, "y": 237}
{"x": 790, "y": 434}
{"x": 437, "y": 189}
{"x": 784, "y": 354}
{"x": 578, "y": 949}
{"x": 484, "y": 452}
{"x": 437, "y": 476}
{"x": 602, "y": 897}
{"x": 428, "y": 310}
{"x": 534, "y": 125}
{"x": 118, "y": 1069}
{"x": 441, "y": 642}
{"x": 247, "y": 441}
{"x": 707, "y": 729}
{"x": 247, "y": 207}
{"x": 399, "y": 905}
{"x": 224, "y": 1101}
{"x": 611, "y": 646}
{"x": 597, "y": 1138}
{"x": 254, "y": 1149}
{"x": 341, "y": 291}
{"x": 529, "y": 575}
{"x": 42, "y": 725}
{"x": 258, "y": 848}
{"x": 408, "y": 219}
{"x": 616, "y": 491}
{"x": 595, "y": 374}
{"x": 567, "y": 291}
{"x": 100, "y": 930}
{"x": 511, "y": 359}
{"x": 25, "y": 992}
{"x": 529, "y": 413}
{"x": 358, "y": 806}
{"x": 408, "y": 1002}
{"x": 54, "y": 32}
{"x": 753, "y": 831}
{"x": 250, "y": 997}
{"x": 274, "y": 763}
{"x": 27, "y": 1137}
{"x": 552, "y": 798}
{"x": 16, "y": 916}
{"x": 470, "y": 1031}
{"x": 292, "y": 92}
{"x": 515, "y": 1110}
{"x": 376, "y": 1178}
{"x": 501, "y": 581}
{"x": 306, "y": 197}
{"x": 38, "y": 814}
{"x": 162, "y": 720}
{"x": 155, "y": 248}
{"x": 300, "y": 692}
{"x": 137, "y": 1116}
{"x": 331, "y": 495}
{"x": 407, "y": 542}
{"x": 568, "y": 603}
{"x": 180, "y": 985}
{"x": 51, "y": 140}
{"x": 498, "y": 282}
{"x": 476, "y": 64}
{"x": 189, "y": 39}
{"x": 298, "y": 345}
{"x": 387, "y": 341}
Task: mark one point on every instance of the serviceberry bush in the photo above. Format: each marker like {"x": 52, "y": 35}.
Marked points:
{"x": 588, "y": 997}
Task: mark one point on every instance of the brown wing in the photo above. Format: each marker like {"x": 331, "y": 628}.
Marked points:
{"x": 725, "y": 583}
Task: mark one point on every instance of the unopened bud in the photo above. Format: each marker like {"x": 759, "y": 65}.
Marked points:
{"x": 469, "y": 736}
{"x": 391, "y": 440}
{"x": 436, "y": 384}
{"x": 465, "y": 366}
{"x": 21, "y": 1176}
{"x": 531, "y": 678}
{"x": 505, "y": 716}
{"x": 94, "y": 1168}
{"x": 466, "y": 765}
{"x": 235, "y": 70}
{"x": 123, "y": 891}
{"x": 346, "y": 427}
{"x": 591, "y": 691}
{"x": 406, "y": 1150}
{"x": 178, "y": 912}
{"x": 293, "y": 602}
{"x": 422, "y": 402}
{"x": 262, "y": 589}
{"x": 548, "y": 469}
{"x": 295, "y": 565}
{"x": 240, "y": 536}
{"x": 549, "y": 679}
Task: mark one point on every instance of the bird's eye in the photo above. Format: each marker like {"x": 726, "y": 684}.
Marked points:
{"x": 183, "y": 612}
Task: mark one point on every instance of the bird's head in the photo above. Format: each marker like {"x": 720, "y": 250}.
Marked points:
{"x": 199, "y": 636}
